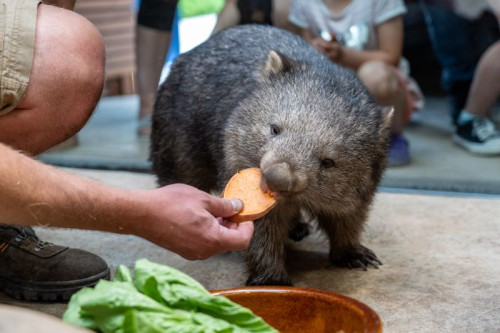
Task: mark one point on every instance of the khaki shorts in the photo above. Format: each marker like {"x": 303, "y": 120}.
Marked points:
{"x": 17, "y": 42}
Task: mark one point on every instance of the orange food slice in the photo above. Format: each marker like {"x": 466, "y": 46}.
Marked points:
{"x": 245, "y": 185}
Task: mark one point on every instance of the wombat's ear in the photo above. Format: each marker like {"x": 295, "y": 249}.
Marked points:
{"x": 387, "y": 114}
{"x": 275, "y": 64}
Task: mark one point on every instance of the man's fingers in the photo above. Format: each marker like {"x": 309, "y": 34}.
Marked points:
{"x": 224, "y": 207}
{"x": 238, "y": 238}
{"x": 227, "y": 223}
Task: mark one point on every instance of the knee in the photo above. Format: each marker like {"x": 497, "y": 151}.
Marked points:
{"x": 380, "y": 79}
{"x": 85, "y": 66}
{"x": 69, "y": 51}
{"x": 65, "y": 83}
{"x": 89, "y": 83}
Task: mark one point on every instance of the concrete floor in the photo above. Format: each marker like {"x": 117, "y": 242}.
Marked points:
{"x": 441, "y": 258}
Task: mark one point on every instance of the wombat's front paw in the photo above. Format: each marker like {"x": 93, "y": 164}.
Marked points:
{"x": 299, "y": 231}
{"x": 261, "y": 281}
{"x": 356, "y": 257}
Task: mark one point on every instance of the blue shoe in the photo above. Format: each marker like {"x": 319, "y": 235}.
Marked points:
{"x": 398, "y": 151}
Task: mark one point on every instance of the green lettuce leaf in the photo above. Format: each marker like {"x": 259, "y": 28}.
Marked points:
{"x": 162, "y": 299}
{"x": 176, "y": 289}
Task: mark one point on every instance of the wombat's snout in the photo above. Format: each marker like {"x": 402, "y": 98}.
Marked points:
{"x": 278, "y": 178}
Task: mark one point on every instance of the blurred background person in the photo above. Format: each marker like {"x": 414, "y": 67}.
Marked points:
{"x": 460, "y": 31}
{"x": 153, "y": 39}
{"x": 270, "y": 12}
{"x": 475, "y": 131}
{"x": 366, "y": 36}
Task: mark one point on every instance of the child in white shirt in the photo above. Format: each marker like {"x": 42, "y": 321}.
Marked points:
{"x": 367, "y": 36}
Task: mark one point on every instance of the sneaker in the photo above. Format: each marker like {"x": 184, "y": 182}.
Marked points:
{"x": 35, "y": 270}
{"x": 398, "y": 151}
{"x": 479, "y": 136}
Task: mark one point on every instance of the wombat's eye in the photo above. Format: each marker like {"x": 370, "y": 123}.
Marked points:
{"x": 327, "y": 163}
{"x": 275, "y": 130}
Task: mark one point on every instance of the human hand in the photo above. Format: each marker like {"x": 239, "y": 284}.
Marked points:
{"x": 332, "y": 49}
{"x": 191, "y": 222}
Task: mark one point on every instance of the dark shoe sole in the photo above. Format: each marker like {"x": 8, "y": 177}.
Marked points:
{"x": 48, "y": 292}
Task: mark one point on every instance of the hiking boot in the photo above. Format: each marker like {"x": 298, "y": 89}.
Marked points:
{"x": 35, "y": 270}
{"x": 399, "y": 153}
{"x": 478, "y": 135}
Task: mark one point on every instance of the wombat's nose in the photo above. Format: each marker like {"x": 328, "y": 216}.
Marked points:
{"x": 278, "y": 177}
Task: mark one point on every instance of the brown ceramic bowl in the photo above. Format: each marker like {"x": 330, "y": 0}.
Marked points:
{"x": 290, "y": 309}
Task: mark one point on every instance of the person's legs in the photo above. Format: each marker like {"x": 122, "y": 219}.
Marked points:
{"x": 386, "y": 87}
{"x": 458, "y": 56}
{"x": 485, "y": 88}
{"x": 228, "y": 16}
{"x": 65, "y": 71}
{"x": 475, "y": 132}
{"x": 151, "y": 50}
{"x": 455, "y": 55}
{"x": 153, "y": 36}
{"x": 65, "y": 83}
{"x": 280, "y": 11}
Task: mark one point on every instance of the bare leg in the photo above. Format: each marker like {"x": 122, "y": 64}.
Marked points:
{"x": 152, "y": 49}
{"x": 65, "y": 83}
{"x": 384, "y": 85}
{"x": 281, "y": 9}
{"x": 475, "y": 131}
{"x": 485, "y": 88}
{"x": 228, "y": 16}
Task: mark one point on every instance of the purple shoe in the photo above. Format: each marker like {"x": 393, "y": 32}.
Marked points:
{"x": 398, "y": 152}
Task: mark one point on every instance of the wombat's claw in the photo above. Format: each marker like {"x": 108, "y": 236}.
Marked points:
{"x": 299, "y": 232}
{"x": 357, "y": 264}
{"x": 358, "y": 257}
{"x": 371, "y": 258}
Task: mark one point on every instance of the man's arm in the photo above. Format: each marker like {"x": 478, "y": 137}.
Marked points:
{"x": 177, "y": 217}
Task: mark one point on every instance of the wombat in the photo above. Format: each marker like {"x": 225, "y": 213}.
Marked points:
{"x": 257, "y": 96}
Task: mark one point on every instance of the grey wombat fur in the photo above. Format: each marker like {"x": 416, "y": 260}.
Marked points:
{"x": 255, "y": 96}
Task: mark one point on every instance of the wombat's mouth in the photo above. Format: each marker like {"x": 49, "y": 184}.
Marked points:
{"x": 277, "y": 180}
{"x": 265, "y": 189}
{"x": 275, "y": 186}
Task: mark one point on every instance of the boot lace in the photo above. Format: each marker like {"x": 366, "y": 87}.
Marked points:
{"x": 29, "y": 234}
